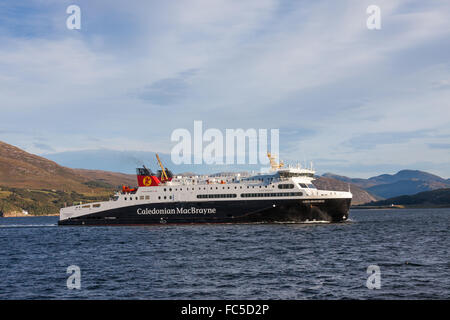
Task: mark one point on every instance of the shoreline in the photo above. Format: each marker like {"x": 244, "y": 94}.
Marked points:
{"x": 399, "y": 207}
{"x": 20, "y": 215}
{"x": 378, "y": 207}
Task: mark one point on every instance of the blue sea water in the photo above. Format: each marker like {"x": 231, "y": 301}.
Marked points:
{"x": 252, "y": 261}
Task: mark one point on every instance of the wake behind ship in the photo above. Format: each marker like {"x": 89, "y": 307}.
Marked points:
{"x": 284, "y": 195}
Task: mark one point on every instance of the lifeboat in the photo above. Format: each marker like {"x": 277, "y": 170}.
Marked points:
{"x": 127, "y": 189}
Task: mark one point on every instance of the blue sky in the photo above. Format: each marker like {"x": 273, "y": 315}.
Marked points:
{"x": 357, "y": 102}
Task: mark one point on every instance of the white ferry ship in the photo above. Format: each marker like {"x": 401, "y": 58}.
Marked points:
{"x": 284, "y": 195}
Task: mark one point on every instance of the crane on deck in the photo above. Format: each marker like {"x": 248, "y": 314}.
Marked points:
{"x": 163, "y": 175}
{"x": 273, "y": 163}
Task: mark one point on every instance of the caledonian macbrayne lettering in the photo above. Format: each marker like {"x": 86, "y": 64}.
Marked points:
{"x": 191, "y": 210}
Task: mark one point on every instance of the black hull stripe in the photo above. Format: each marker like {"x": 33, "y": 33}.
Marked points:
{"x": 242, "y": 211}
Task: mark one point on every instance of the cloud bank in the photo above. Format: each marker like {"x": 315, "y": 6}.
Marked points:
{"x": 134, "y": 73}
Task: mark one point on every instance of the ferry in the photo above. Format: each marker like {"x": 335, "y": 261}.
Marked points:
{"x": 285, "y": 194}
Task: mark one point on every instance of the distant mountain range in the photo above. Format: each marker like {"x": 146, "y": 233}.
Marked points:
{"x": 404, "y": 182}
{"x": 435, "y": 198}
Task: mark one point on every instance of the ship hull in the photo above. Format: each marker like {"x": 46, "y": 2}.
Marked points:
{"x": 242, "y": 211}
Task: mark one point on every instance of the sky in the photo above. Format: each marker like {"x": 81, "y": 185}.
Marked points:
{"x": 355, "y": 101}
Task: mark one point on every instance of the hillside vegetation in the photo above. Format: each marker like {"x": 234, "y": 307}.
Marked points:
{"x": 42, "y": 202}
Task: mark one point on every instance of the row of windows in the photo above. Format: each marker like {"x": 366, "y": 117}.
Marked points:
{"x": 286, "y": 186}
{"x": 205, "y": 196}
{"x": 280, "y": 186}
{"x": 284, "y": 194}
{"x": 200, "y": 188}
{"x": 96, "y": 205}
{"x": 259, "y": 179}
{"x": 295, "y": 174}
{"x": 231, "y": 195}
{"x": 136, "y": 198}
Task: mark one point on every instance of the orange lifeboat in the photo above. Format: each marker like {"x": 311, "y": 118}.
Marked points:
{"x": 127, "y": 189}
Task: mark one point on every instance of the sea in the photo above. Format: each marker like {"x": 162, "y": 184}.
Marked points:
{"x": 378, "y": 254}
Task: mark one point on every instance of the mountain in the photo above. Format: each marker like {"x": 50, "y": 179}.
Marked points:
{"x": 40, "y": 186}
{"x": 24, "y": 170}
{"x": 406, "y": 175}
{"x": 21, "y": 169}
{"x": 360, "y": 196}
{"x": 404, "y": 182}
{"x": 405, "y": 187}
{"x": 362, "y": 183}
{"x": 435, "y": 198}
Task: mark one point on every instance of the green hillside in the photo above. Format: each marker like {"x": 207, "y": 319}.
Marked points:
{"x": 41, "y": 202}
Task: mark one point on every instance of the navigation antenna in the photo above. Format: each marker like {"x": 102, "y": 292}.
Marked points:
{"x": 162, "y": 168}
